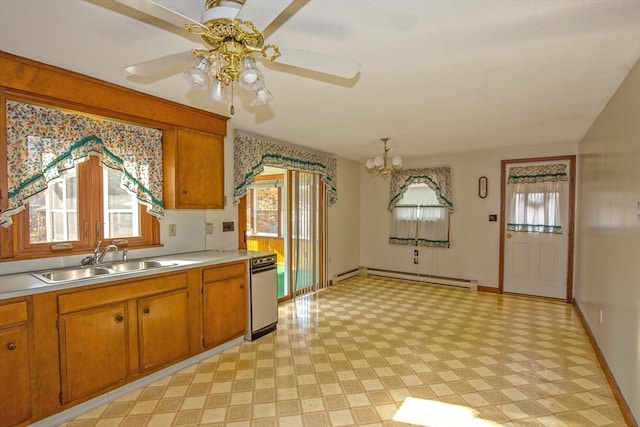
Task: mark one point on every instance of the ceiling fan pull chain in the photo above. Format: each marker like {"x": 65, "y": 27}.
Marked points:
{"x": 232, "y": 108}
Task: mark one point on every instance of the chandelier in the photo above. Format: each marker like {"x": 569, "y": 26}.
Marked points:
{"x": 380, "y": 164}
{"x": 233, "y": 42}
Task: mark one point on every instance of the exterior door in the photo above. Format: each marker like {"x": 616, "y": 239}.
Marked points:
{"x": 537, "y": 227}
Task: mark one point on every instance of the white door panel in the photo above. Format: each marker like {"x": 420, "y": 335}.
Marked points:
{"x": 536, "y": 263}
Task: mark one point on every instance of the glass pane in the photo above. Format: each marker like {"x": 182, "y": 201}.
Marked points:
{"x": 38, "y": 219}
{"x": 267, "y": 213}
{"x": 53, "y": 214}
{"x": 121, "y": 217}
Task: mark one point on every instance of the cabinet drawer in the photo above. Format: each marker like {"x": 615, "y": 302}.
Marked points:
{"x": 224, "y": 272}
{"x": 12, "y": 314}
{"x": 111, "y": 294}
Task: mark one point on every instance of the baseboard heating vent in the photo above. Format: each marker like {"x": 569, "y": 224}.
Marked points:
{"x": 347, "y": 274}
{"x": 415, "y": 277}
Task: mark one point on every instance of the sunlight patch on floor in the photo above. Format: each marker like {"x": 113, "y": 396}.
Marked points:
{"x": 432, "y": 413}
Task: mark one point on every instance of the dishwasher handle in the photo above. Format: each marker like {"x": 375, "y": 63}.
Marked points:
{"x": 263, "y": 268}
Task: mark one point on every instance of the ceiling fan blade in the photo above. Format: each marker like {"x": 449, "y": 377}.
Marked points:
{"x": 340, "y": 67}
{"x": 158, "y": 11}
{"x": 262, "y": 12}
{"x": 179, "y": 61}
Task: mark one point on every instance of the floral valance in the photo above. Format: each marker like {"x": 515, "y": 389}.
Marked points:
{"x": 438, "y": 179}
{"x": 538, "y": 173}
{"x": 43, "y": 142}
{"x": 252, "y": 154}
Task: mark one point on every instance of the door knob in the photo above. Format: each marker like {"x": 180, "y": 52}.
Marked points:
{"x": 508, "y": 235}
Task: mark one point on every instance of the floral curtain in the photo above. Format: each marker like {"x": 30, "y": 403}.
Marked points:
{"x": 43, "y": 142}
{"x": 251, "y": 154}
{"x": 438, "y": 179}
{"x": 534, "y": 193}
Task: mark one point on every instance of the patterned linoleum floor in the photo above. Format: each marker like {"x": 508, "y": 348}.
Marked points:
{"x": 374, "y": 351}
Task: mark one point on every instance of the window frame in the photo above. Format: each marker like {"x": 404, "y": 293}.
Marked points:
{"x": 16, "y": 243}
{"x": 251, "y": 205}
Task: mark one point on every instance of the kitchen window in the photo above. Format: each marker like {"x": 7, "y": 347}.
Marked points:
{"x": 75, "y": 180}
{"x": 83, "y": 206}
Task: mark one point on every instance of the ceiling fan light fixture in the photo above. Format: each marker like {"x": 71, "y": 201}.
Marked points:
{"x": 198, "y": 75}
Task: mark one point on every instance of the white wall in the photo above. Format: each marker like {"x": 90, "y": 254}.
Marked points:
{"x": 608, "y": 231}
{"x": 474, "y": 251}
{"x": 343, "y": 243}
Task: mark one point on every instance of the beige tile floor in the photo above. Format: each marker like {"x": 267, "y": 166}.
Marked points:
{"x": 380, "y": 352}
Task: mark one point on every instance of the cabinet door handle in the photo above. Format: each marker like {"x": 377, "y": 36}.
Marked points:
{"x": 12, "y": 346}
{"x": 119, "y": 318}
{"x": 146, "y": 311}
{"x": 241, "y": 286}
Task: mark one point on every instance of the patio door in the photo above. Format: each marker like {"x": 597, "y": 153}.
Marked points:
{"x": 283, "y": 212}
{"x": 537, "y": 227}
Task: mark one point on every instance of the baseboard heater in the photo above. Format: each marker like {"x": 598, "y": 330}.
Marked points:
{"x": 416, "y": 277}
{"x": 347, "y": 274}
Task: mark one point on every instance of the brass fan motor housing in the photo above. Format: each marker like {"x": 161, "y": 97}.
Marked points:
{"x": 214, "y": 3}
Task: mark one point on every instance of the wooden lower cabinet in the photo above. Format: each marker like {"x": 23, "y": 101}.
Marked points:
{"x": 163, "y": 329}
{"x": 94, "y": 351}
{"x": 112, "y": 334}
{"x": 224, "y": 303}
{"x": 87, "y": 341}
{"x": 15, "y": 395}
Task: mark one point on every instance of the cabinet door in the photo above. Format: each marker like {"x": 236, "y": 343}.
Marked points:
{"x": 200, "y": 170}
{"x": 14, "y": 376}
{"x": 163, "y": 322}
{"x": 94, "y": 350}
{"x": 224, "y": 310}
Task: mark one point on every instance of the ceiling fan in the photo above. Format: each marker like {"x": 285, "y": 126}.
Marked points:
{"x": 232, "y": 31}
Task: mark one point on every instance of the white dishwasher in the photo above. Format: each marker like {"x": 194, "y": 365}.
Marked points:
{"x": 263, "y": 297}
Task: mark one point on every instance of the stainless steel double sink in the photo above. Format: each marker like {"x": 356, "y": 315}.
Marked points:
{"x": 92, "y": 271}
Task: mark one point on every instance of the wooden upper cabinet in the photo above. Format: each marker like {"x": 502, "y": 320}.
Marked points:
{"x": 193, "y": 170}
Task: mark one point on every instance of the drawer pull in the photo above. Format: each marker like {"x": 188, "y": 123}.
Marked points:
{"x": 12, "y": 346}
{"x": 119, "y": 318}
{"x": 146, "y": 311}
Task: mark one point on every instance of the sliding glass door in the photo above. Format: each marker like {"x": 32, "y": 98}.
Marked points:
{"x": 285, "y": 214}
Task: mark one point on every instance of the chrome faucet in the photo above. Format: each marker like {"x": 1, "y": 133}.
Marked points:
{"x": 99, "y": 256}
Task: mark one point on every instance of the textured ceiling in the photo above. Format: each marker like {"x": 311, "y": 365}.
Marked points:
{"x": 437, "y": 76}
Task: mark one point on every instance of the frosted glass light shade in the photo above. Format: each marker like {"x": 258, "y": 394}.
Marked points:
{"x": 250, "y": 77}
{"x": 396, "y": 162}
{"x": 262, "y": 96}
{"x": 219, "y": 92}
{"x": 378, "y": 161}
{"x": 370, "y": 164}
{"x": 198, "y": 75}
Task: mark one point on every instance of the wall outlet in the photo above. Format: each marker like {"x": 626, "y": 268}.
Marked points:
{"x": 415, "y": 252}
{"x": 415, "y": 260}
{"x": 208, "y": 228}
{"x": 172, "y": 230}
{"x": 227, "y": 226}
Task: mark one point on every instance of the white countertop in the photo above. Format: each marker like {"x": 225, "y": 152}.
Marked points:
{"x": 23, "y": 284}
